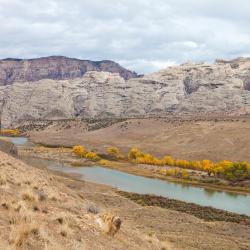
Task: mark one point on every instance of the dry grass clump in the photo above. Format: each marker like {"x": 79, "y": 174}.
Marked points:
{"x": 3, "y": 180}
{"x": 29, "y": 196}
{"x": 23, "y": 226}
{"x": 109, "y": 223}
{"x": 22, "y": 232}
{"x": 65, "y": 230}
{"x": 67, "y": 223}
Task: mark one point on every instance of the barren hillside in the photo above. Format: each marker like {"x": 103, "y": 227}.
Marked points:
{"x": 193, "y": 139}
{"x": 40, "y": 210}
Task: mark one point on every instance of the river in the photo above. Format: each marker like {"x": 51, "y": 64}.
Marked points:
{"x": 229, "y": 201}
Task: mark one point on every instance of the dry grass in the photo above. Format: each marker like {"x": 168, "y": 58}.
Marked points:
{"x": 3, "y": 180}
{"x": 28, "y": 195}
{"x": 22, "y": 232}
{"x": 31, "y": 219}
{"x": 193, "y": 139}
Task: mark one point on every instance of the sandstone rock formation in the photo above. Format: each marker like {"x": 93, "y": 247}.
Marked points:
{"x": 221, "y": 88}
{"x": 54, "y": 67}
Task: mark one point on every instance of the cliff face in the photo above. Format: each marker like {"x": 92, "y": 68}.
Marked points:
{"x": 221, "y": 88}
{"x": 55, "y": 67}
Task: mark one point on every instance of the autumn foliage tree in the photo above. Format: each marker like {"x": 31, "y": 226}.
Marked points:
{"x": 83, "y": 153}
{"x": 10, "y": 132}
{"x": 115, "y": 152}
{"x": 224, "y": 169}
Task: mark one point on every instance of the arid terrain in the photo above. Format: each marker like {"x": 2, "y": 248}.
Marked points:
{"x": 42, "y": 210}
{"x": 195, "y": 114}
{"x": 215, "y": 139}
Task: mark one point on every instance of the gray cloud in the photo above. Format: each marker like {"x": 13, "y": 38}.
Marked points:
{"x": 143, "y": 35}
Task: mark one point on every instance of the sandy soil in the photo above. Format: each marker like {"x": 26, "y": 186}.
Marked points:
{"x": 193, "y": 139}
{"x": 41, "y": 210}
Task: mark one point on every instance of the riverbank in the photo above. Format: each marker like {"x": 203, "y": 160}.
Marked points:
{"x": 59, "y": 219}
{"x": 65, "y": 155}
{"x": 146, "y": 171}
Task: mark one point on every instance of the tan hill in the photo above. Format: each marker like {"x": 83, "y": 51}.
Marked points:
{"x": 54, "y": 67}
{"x": 189, "y": 89}
{"x": 192, "y": 139}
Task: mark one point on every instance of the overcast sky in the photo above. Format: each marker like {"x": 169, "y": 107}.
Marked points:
{"x": 142, "y": 35}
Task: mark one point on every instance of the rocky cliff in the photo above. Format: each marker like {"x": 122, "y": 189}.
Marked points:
{"x": 220, "y": 88}
{"x": 54, "y": 67}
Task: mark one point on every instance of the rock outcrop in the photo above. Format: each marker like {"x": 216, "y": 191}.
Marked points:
{"x": 221, "y": 88}
{"x": 54, "y": 67}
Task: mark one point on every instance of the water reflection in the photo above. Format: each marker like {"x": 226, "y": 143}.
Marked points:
{"x": 209, "y": 192}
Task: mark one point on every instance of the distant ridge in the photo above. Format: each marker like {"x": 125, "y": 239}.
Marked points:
{"x": 55, "y": 68}
{"x": 220, "y": 89}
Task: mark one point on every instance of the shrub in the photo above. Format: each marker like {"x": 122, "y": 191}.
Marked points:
{"x": 196, "y": 165}
{"x": 10, "y": 132}
{"x": 234, "y": 171}
{"x": 162, "y": 171}
{"x": 168, "y": 160}
{"x": 208, "y": 166}
{"x": 113, "y": 151}
{"x": 134, "y": 153}
{"x": 92, "y": 156}
{"x": 148, "y": 159}
{"x": 182, "y": 163}
{"x": 169, "y": 172}
{"x": 83, "y": 153}
{"x": 79, "y": 150}
{"x": 184, "y": 173}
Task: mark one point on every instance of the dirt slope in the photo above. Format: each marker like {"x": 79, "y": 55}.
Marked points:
{"x": 210, "y": 138}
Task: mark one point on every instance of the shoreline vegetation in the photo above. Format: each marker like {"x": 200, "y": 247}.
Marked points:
{"x": 221, "y": 175}
{"x": 206, "y": 213}
{"x": 10, "y": 132}
{"x": 79, "y": 156}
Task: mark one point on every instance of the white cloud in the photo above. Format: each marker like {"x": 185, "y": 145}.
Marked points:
{"x": 144, "y": 35}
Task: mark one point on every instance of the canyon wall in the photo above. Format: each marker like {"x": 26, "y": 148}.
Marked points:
{"x": 188, "y": 89}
